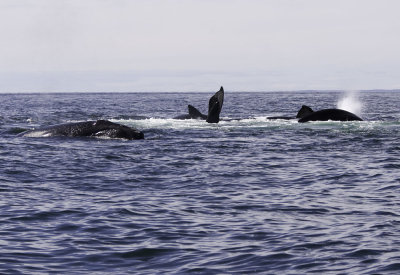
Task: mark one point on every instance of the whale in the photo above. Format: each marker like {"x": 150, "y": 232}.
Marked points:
{"x": 98, "y": 128}
{"x": 214, "y": 109}
{"x": 215, "y": 106}
{"x": 329, "y": 114}
{"x": 193, "y": 113}
{"x": 304, "y": 110}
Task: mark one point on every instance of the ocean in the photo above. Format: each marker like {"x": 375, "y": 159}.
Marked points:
{"x": 244, "y": 196}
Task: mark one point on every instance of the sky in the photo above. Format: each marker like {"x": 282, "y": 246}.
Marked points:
{"x": 198, "y": 45}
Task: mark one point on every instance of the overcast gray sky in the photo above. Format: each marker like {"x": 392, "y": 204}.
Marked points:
{"x": 188, "y": 45}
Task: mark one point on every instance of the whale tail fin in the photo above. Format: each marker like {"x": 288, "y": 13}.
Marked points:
{"x": 215, "y": 106}
{"x": 194, "y": 113}
{"x": 304, "y": 110}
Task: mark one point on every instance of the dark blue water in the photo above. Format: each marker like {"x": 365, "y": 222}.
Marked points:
{"x": 244, "y": 196}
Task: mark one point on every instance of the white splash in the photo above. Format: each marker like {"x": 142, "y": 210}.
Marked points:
{"x": 350, "y": 101}
{"x": 43, "y": 133}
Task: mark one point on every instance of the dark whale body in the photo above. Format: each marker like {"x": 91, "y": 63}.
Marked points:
{"x": 215, "y": 106}
{"x": 281, "y": 117}
{"x": 330, "y": 114}
{"x": 304, "y": 110}
{"x": 99, "y": 128}
{"x": 306, "y": 114}
{"x": 193, "y": 113}
{"x": 214, "y": 109}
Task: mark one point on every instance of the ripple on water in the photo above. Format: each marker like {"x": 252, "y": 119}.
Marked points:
{"x": 245, "y": 196}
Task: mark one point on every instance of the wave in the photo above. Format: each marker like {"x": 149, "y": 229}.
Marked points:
{"x": 256, "y": 122}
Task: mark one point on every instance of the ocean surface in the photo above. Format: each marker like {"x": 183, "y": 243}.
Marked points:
{"x": 245, "y": 196}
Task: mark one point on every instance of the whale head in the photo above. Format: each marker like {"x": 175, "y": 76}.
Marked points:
{"x": 114, "y": 130}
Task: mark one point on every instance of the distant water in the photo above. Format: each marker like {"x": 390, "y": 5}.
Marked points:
{"x": 249, "y": 196}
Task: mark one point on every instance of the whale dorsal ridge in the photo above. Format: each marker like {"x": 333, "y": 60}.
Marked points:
{"x": 304, "y": 110}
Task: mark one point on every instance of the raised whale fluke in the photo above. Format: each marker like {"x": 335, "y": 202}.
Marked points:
{"x": 99, "y": 128}
{"x": 214, "y": 109}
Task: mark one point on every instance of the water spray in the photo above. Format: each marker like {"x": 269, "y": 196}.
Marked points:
{"x": 350, "y": 101}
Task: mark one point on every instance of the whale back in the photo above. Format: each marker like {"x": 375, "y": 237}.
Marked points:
{"x": 215, "y": 106}
{"x": 99, "y": 128}
{"x": 304, "y": 111}
{"x": 114, "y": 130}
{"x": 330, "y": 114}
